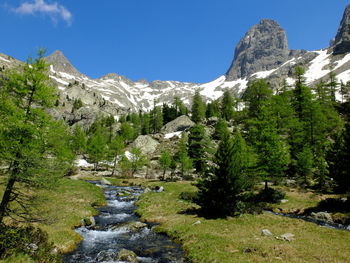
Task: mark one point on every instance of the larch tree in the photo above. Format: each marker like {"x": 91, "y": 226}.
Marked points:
{"x": 33, "y": 147}
{"x": 198, "y": 108}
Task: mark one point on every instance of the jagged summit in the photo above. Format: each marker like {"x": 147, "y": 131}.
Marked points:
{"x": 61, "y": 64}
{"x": 342, "y": 39}
{"x": 263, "y": 47}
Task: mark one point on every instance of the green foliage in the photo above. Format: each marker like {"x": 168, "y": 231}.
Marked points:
{"x": 221, "y": 130}
{"x": 77, "y": 104}
{"x": 115, "y": 148}
{"x": 199, "y": 147}
{"x": 156, "y": 119}
{"x": 97, "y": 146}
{"x": 257, "y": 94}
{"x": 79, "y": 141}
{"x": 134, "y": 162}
{"x": 26, "y": 240}
{"x": 213, "y": 109}
{"x": 227, "y": 106}
{"x": 198, "y": 108}
{"x": 146, "y": 126}
{"x": 126, "y": 131}
{"x": 33, "y": 145}
{"x": 220, "y": 187}
{"x": 182, "y": 156}
{"x": 165, "y": 161}
{"x": 270, "y": 195}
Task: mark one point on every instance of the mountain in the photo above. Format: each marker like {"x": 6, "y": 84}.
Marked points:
{"x": 262, "y": 53}
{"x": 264, "y": 47}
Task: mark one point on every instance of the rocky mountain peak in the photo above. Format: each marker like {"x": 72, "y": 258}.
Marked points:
{"x": 61, "y": 64}
{"x": 342, "y": 39}
{"x": 263, "y": 47}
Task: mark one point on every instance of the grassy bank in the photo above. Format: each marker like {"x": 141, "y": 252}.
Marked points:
{"x": 239, "y": 239}
{"x": 63, "y": 208}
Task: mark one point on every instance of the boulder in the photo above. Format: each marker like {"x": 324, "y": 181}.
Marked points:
{"x": 105, "y": 256}
{"x": 130, "y": 226}
{"x": 179, "y": 124}
{"x": 127, "y": 256}
{"x": 287, "y": 237}
{"x": 322, "y": 216}
{"x": 146, "y": 144}
{"x": 104, "y": 181}
{"x": 266, "y": 232}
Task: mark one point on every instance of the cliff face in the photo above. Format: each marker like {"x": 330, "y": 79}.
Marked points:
{"x": 342, "y": 39}
{"x": 263, "y": 47}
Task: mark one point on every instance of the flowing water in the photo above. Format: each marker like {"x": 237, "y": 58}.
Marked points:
{"x": 313, "y": 220}
{"x": 117, "y": 227}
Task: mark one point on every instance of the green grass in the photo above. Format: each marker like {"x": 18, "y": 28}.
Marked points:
{"x": 62, "y": 209}
{"x": 239, "y": 239}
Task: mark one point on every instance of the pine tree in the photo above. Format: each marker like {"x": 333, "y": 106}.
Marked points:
{"x": 227, "y": 106}
{"x": 180, "y": 107}
{"x": 156, "y": 119}
{"x": 213, "y": 109}
{"x": 126, "y": 131}
{"x": 182, "y": 156}
{"x": 198, "y": 108}
{"x": 221, "y": 187}
{"x": 145, "y": 124}
{"x": 34, "y": 148}
{"x": 221, "y": 130}
{"x": 199, "y": 147}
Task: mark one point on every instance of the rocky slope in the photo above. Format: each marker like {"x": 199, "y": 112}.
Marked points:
{"x": 262, "y": 53}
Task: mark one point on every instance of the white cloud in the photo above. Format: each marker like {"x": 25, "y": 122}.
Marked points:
{"x": 54, "y": 10}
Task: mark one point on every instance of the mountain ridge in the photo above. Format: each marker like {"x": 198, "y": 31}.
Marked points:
{"x": 261, "y": 53}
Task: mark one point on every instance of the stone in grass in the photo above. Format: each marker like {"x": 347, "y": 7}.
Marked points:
{"x": 287, "y": 237}
{"x": 104, "y": 181}
{"x": 322, "y": 216}
{"x": 266, "y": 232}
{"x": 127, "y": 256}
{"x": 283, "y": 201}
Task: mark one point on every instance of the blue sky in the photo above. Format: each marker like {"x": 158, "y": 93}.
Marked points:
{"x": 184, "y": 40}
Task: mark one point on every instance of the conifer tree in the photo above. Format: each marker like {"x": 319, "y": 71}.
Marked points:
{"x": 145, "y": 124}
{"x": 198, "y": 108}
{"x": 34, "y": 148}
{"x": 182, "y": 155}
{"x": 199, "y": 147}
{"x": 213, "y": 109}
{"x": 79, "y": 140}
{"x": 221, "y": 187}
{"x": 227, "y": 106}
{"x": 97, "y": 146}
{"x": 221, "y": 130}
{"x": 156, "y": 119}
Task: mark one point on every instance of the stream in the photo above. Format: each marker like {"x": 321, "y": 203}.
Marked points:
{"x": 118, "y": 229}
{"x": 313, "y": 220}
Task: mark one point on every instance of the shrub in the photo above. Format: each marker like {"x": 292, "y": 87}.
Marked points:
{"x": 270, "y": 195}
{"x": 26, "y": 240}
{"x": 189, "y": 196}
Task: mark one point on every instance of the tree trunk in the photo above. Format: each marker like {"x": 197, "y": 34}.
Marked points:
{"x": 114, "y": 166}
{"x": 266, "y": 185}
{"x": 6, "y": 198}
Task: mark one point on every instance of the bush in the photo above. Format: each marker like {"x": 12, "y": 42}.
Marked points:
{"x": 270, "y": 195}
{"x": 189, "y": 196}
{"x": 28, "y": 241}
